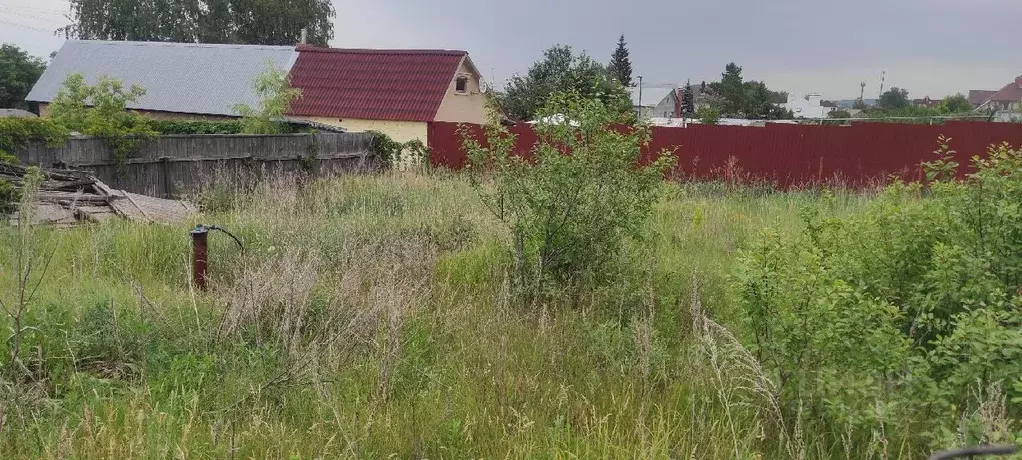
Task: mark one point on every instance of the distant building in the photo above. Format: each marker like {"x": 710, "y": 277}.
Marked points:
{"x": 807, "y": 106}
{"x": 657, "y": 101}
{"x": 926, "y": 102}
{"x": 1007, "y": 98}
{"x": 978, "y": 97}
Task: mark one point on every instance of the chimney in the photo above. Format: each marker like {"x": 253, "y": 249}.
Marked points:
{"x": 304, "y": 34}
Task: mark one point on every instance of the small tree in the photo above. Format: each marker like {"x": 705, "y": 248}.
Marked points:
{"x": 620, "y": 65}
{"x": 583, "y": 193}
{"x": 275, "y": 97}
{"x": 688, "y": 107}
{"x": 101, "y": 110}
{"x": 708, "y": 116}
{"x": 955, "y": 104}
{"x": 894, "y": 99}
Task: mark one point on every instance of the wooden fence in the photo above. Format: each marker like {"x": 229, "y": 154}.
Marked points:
{"x": 787, "y": 155}
{"x": 175, "y": 165}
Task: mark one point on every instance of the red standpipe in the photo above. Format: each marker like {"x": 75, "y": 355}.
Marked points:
{"x": 199, "y": 234}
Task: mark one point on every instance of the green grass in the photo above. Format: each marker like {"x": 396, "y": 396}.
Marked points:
{"x": 369, "y": 317}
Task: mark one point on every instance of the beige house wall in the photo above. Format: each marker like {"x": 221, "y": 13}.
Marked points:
{"x": 468, "y": 107}
{"x": 400, "y": 131}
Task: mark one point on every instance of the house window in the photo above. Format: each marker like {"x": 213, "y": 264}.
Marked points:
{"x": 461, "y": 85}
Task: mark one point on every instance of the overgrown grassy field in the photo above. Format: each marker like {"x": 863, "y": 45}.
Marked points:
{"x": 373, "y": 317}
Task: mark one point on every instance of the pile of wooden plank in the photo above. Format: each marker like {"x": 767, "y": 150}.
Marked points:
{"x": 68, "y": 197}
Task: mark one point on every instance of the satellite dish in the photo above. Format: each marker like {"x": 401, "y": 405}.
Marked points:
{"x": 484, "y": 85}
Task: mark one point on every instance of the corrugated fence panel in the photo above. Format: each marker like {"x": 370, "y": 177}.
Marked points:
{"x": 788, "y": 155}
{"x": 177, "y": 164}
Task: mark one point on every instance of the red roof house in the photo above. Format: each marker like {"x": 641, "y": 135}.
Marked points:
{"x": 1007, "y": 98}
{"x": 396, "y": 92}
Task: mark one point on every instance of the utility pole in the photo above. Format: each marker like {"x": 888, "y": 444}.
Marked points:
{"x": 638, "y": 115}
{"x": 862, "y": 92}
{"x": 882, "y": 76}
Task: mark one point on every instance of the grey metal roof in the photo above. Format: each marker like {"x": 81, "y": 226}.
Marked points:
{"x": 16, "y": 113}
{"x": 178, "y": 77}
{"x": 651, "y": 95}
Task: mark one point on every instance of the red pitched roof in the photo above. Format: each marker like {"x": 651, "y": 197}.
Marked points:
{"x": 404, "y": 85}
{"x": 1012, "y": 92}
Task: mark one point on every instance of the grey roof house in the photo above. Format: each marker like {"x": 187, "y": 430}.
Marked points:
{"x": 180, "y": 78}
{"x": 657, "y": 101}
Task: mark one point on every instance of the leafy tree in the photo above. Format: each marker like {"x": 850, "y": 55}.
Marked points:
{"x": 275, "y": 97}
{"x": 18, "y": 72}
{"x": 561, "y": 70}
{"x": 620, "y": 66}
{"x": 859, "y": 104}
{"x": 895, "y": 98}
{"x": 570, "y": 214}
{"x": 265, "y": 22}
{"x": 101, "y": 110}
{"x": 955, "y": 104}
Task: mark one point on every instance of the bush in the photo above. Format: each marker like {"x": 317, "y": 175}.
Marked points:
{"x": 100, "y": 110}
{"x": 895, "y": 315}
{"x": 583, "y": 193}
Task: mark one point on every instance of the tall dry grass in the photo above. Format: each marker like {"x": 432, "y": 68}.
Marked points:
{"x": 373, "y": 316}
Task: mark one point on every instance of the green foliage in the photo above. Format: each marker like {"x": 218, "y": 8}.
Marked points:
{"x": 273, "y": 86}
{"x": 894, "y": 99}
{"x": 256, "y": 22}
{"x": 9, "y": 198}
{"x": 957, "y": 103}
{"x": 386, "y": 149}
{"x": 18, "y": 72}
{"x": 561, "y": 70}
{"x": 620, "y": 66}
{"x": 708, "y": 116}
{"x": 195, "y": 127}
{"x": 101, "y": 110}
{"x": 732, "y": 89}
{"x": 839, "y": 113}
{"x": 16, "y": 132}
{"x": 575, "y": 203}
{"x": 688, "y": 107}
{"x": 896, "y": 314}
{"x": 748, "y": 99}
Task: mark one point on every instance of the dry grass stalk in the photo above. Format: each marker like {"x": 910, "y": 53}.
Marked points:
{"x": 739, "y": 381}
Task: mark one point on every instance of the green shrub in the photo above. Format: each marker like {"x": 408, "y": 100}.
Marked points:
{"x": 101, "y": 110}
{"x": 896, "y": 314}
{"x": 570, "y": 214}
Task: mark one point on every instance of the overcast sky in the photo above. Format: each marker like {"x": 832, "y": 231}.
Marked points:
{"x": 930, "y": 47}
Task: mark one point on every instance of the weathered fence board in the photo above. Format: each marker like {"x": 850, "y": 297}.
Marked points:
{"x": 174, "y": 165}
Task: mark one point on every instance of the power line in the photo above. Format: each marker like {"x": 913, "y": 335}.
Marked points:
{"x": 34, "y": 8}
{"x": 24, "y": 26}
{"x": 27, "y": 16}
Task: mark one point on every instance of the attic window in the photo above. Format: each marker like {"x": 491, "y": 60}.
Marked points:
{"x": 461, "y": 85}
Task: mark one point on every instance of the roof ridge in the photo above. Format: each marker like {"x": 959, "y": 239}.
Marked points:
{"x": 182, "y": 44}
{"x": 320, "y": 49}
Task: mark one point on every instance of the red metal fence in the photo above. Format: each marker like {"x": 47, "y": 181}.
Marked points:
{"x": 789, "y": 155}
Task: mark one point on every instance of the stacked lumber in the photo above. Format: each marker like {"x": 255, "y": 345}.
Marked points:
{"x": 68, "y": 197}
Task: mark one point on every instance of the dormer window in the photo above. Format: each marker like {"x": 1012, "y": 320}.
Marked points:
{"x": 461, "y": 85}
